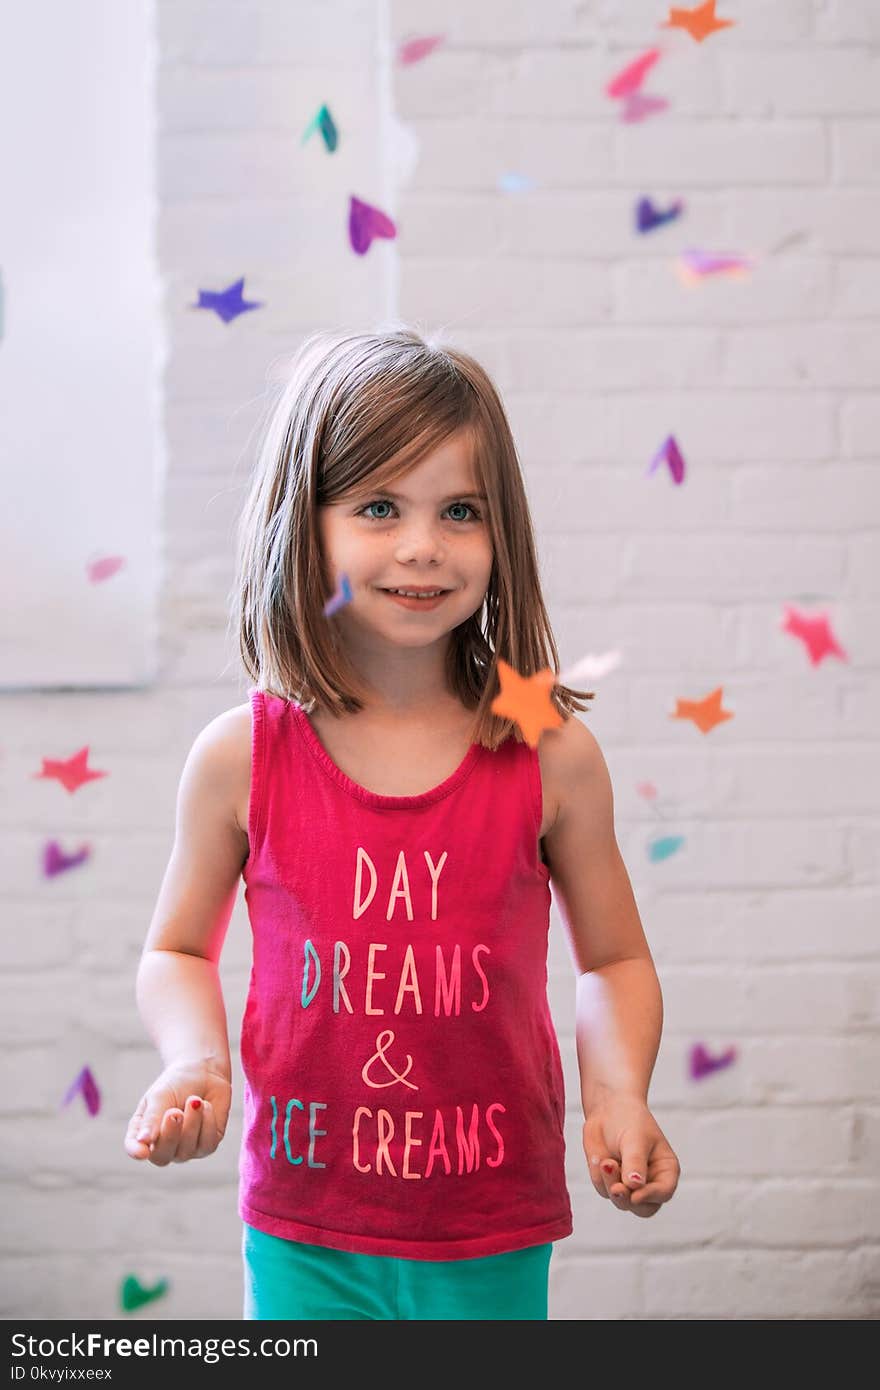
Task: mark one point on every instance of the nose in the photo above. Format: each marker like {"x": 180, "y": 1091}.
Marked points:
{"x": 419, "y": 542}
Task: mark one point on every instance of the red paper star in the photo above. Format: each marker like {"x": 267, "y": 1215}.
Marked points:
{"x": 815, "y": 633}
{"x": 71, "y": 773}
{"x": 705, "y": 713}
{"x": 526, "y": 700}
{"x": 699, "y": 23}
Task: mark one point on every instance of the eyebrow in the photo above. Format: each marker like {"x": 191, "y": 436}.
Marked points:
{"x": 453, "y": 496}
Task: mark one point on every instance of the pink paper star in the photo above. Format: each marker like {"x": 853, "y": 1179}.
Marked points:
{"x": 72, "y": 772}
{"x": 815, "y": 633}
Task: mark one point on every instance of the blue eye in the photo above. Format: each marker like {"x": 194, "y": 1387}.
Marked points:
{"x": 384, "y": 502}
{"x": 378, "y": 503}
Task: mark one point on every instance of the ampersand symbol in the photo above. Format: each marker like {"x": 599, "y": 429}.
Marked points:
{"x": 385, "y": 1039}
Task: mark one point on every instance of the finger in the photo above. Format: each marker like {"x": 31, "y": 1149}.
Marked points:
{"x": 164, "y": 1147}
{"x": 190, "y": 1130}
{"x": 617, "y": 1191}
{"x": 596, "y": 1175}
{"x": 209, "y": 1137}
{"x": 633, "y": 1168}
{"x": 653, "y": 1192}
{"x": 644, "y": 1208}
{"x": 146, "y": 1122}
{"x": 139, "y": 1132}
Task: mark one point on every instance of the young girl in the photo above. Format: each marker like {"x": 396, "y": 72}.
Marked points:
{"x": 402, "y": 1153}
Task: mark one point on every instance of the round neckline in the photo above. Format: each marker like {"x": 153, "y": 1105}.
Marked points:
{"x": 379, "y": 799}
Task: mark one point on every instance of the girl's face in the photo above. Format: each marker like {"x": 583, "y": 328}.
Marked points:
{"x": 429, "y": 531}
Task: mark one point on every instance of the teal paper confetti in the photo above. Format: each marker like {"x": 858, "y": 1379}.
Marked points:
{"x": 325, "y": 123}
{"x": 663, "y": 848}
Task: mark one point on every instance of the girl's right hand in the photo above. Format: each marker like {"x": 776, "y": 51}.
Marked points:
{"x": 182, "y": 1115}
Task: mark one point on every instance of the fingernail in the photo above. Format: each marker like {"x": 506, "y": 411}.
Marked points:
{"x": 196, "y": 1103}
{"x": 636, "y": 1177}
{"x": 607, "y": 1167}
{"x": 143, "y": 1136}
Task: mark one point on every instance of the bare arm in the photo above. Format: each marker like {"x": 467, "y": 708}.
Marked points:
{"x": 178, "y": 991}
{"x": 619, "y": 1012}
{"x": 619, "y": 1006}
{"x": 180, "y": 1000}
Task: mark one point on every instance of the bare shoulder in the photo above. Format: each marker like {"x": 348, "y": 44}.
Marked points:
{"x": 570, "y": 756}
{"x": 227, "y": 740}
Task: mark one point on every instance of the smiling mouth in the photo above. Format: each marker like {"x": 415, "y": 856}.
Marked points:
{"x": 417, "y": 593}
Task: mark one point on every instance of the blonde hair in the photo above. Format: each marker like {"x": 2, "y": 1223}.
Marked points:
{"x": 370, "y": 406}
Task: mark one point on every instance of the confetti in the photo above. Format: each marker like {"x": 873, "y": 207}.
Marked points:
{"x": 591, "y": 667}
{"x": 414, "y": 50}
{"x": 646, "y": 790}
{"x": 703, "y": 1064}
{"x": 55, "y": 861}
{"x": 72, "y": 772}
{"x": 340, "y": 597}
{"x": 705, "y": 713}
{"x": 104, "y": 568}
{"x": 648, "y": 218}
{"x": 227, "y": 304}
{"x": 664, "y": 847}
{"x": 630, "y": 78}
{"x": 699, "y": 22}
{"x": 670, "y": 454}
{"x": 526, "y": 700}
{"x": 694, "y": 266}
{"x": 815, "y": 633}
{"x": 327, "y": 126}
{"x": 639, "y": 105}
{"x": 133, "y": 1294}
{"x": 366, "y": 222}
{"x": 84, "y": 1084}
{"x": 516, "y": 183}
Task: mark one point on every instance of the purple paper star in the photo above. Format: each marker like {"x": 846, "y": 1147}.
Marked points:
{"x": 228, "y": 303}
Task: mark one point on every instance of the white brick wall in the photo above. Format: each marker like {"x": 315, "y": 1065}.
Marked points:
{"x": 764, "y": 928}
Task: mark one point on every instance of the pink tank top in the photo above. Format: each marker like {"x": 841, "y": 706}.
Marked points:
{"x": 403, "y": 1085}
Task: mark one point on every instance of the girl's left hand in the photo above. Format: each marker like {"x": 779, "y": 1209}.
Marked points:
{"x": 630, "y": 1160}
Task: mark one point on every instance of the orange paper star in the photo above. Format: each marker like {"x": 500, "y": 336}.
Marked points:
{"x": 705, "y": 713}
{"x": 526, "y": 700}
{"x": 699, "y": 23}
{"x": 72, "y": 772}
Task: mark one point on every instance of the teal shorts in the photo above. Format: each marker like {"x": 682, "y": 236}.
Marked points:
{"x": 289, "y": 1279}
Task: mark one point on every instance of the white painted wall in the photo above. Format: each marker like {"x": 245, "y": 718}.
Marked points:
{"x": 764, "y": 927}
{"x": 81, "y": 345}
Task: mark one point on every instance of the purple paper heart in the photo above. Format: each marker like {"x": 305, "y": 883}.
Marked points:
{"x": 366, "y": 222}
{"x": 85, "y": 1084}
{"x": 648, "y": 217}
{"x": 703, "y": 1064}
{"x": 55, "y": 861}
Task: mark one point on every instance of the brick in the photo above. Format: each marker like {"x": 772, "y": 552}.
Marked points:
{"x": 750, "y": 152}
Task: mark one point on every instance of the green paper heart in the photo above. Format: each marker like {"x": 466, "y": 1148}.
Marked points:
{"x": 134, "y": 1295}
